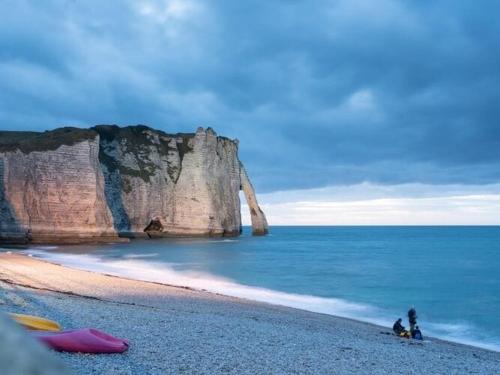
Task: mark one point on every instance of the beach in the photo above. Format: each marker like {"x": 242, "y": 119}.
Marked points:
{"x": 175, "y": 330}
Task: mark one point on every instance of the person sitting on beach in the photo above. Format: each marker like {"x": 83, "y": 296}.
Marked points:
{"x": 417, "y": 334}
{"x": 398, "y": 328}
{"x": 412, "y": 319}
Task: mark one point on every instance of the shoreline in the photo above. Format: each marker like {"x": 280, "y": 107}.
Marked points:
{"x": 41, "y": 280}
{"x": 247, "y": 300}
{"x": 341, "y": 308}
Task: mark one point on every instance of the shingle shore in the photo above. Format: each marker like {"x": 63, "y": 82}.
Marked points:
{"x": 180, "y": 331}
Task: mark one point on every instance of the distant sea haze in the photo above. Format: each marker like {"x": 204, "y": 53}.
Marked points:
{"x": 450, "y": 274}
{"x": 373, "y": 204}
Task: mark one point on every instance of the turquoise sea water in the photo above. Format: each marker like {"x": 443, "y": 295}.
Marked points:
{"x": 450, "y": 274}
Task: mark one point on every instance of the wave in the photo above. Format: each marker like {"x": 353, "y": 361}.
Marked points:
{"x": 138, "y": 256}
{"x": 463, "y": 333}
{"x": 134, "y": 268}
{"x": 164, "y": 273}
{"x": 44, "y": 248}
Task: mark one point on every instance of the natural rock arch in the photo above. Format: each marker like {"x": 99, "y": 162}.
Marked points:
{"x": 259, "y": 221}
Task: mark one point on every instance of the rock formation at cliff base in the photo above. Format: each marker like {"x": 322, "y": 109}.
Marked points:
{"x": 78, "y": 185}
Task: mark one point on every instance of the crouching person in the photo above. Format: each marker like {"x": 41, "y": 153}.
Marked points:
{"x": 399, "y": 329}
{"x": 417, "y": 334}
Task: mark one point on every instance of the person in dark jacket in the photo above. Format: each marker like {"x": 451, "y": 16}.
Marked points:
{"x": 412, "y": 319}
{"x": 417, "y": 334}
{"x": 398, "y": 328}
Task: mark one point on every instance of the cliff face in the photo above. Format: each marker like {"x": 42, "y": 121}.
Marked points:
{"x": 73, "y": 185}
{"x": 162, "y": 184}
{"x": 51, "y": 192}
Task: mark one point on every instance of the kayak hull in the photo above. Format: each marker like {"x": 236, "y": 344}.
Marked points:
{"x": 35, "y": 322}
{"x": 83, "y": 341}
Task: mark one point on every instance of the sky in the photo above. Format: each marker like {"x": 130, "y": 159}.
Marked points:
{"x": 347, "y": 111}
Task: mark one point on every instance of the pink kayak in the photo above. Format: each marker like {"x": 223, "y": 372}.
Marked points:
{"x": 86, "y": 340}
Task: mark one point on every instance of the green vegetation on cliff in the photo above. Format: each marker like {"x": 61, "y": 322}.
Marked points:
{"x": 28, "y": 142}
{"x": 138, "y": 140}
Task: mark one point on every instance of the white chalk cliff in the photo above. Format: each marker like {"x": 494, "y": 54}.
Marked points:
{"x": 78, "y": 185}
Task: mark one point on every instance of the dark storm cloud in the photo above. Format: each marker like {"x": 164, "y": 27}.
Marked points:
{"x": 318, "y": 92}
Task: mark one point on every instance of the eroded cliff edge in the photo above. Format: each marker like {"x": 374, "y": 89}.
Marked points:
{"x": 77, "y": 185}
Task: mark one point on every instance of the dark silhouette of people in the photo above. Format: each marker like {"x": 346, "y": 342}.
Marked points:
{"x": 399, "y": 329}
{"x": 414, "y": 332}
{"x": 412, "y": 319}
{"x": 417, "y": 334}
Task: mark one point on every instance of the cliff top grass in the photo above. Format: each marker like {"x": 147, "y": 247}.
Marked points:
{"x": 110, "y": 132}
{"x": 114, "y": 131}
{"x": 28, "y": 142}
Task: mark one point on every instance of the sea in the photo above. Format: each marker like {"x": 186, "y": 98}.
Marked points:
{"x": 450, "y": 274}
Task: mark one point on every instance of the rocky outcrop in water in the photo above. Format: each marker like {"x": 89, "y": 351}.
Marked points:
{"x": 99, "y": 184}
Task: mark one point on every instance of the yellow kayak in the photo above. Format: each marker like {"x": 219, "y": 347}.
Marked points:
{"x": 36, "y": 323}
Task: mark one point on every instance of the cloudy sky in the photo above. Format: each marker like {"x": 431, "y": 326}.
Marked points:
{"x": 347, "y": 111}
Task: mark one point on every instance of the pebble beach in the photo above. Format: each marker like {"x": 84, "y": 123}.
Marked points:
{"x": 176, "y": 330}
